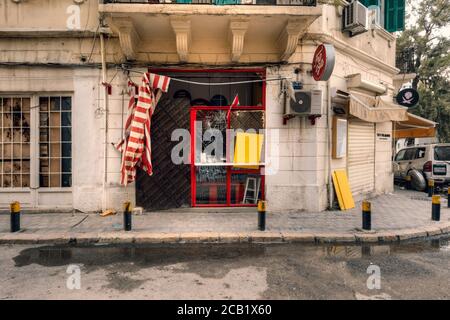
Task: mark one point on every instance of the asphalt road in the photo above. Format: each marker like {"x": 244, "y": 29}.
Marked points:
{"x": 407, "y": 271}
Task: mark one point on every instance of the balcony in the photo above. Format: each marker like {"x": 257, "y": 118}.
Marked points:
{"x": 209, "y": 32}
{"x": 308, "y": 3}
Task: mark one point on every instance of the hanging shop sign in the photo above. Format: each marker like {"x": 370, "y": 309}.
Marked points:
{"x": 408, "y": 97}
{"x": 323, "y": 62}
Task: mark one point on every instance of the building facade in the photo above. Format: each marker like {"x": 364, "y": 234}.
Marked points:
{"x": 64, "y": 68}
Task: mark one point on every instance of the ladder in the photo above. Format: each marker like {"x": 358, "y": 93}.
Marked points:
{"x": 252, "y": 186}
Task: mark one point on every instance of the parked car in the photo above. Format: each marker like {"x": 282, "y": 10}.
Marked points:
{"x": 423, "y": 162}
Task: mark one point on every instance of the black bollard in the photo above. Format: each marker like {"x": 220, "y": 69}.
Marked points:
{"x": 127, "y": 223}
{"x": 261, "y": 215}
{"x": 448, "y": 196}
{"x": 436, "y": 208}
{"x": 430, "y": 188}
{"x": 366, "y": 215}
{"x": 408, "y": 182}
{"x": 15, "y": 216}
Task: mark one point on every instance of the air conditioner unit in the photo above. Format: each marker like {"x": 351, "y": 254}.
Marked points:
{"x": 355, "y": 18}
{"x": 374, "y": 16}
{"x": 306, "y": 103}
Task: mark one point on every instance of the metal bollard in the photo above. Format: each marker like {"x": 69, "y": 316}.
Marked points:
{"x": 366, "y": 215}
{"x": 408, "y": 182}
{"x": 15, "y": 216}
{"x": 436, "y": 208}
{"x": 261, "y": 215}
{"x": 430, "y": 188}
{"x": 127, "y": 222}
{"x": 448, "y": 196}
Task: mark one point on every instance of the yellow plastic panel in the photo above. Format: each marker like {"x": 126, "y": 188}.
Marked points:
{"x": 343, "y": 191}
{"x": 248, "y": 149}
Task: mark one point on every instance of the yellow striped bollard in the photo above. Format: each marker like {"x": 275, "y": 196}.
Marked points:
{"x": 436, "y": 208}
{"x": 127, "y": 222}
{"x": 366, "y": 215}
{"x": 430, "y": 187}
{"x": 15, "y": 216}
{"x": 261, "y": 215}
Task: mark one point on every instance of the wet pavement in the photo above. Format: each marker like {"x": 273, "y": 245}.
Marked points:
{"x": 245, "y": 271}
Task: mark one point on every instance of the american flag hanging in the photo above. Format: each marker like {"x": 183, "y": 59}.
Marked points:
{"x": 136, "y": 144}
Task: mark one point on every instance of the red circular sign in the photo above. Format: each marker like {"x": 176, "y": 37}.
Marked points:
{"x": 323, "y": 62}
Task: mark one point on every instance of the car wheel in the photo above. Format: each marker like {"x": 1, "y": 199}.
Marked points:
{"x": 418, "y": 181}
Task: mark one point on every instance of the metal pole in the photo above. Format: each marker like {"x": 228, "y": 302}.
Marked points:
{"x": 261, "y": 215}
{"x": 15, "y": 216}
{"x": 436, "y": 208}
{"x": 366, "y": 215}
{"x": 105, "y": 112}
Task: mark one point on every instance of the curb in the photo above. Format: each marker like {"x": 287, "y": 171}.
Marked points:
{"x": 122, "y": 237}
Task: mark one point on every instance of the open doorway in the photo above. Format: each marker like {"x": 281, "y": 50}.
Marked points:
{"x": 204, "y": 182}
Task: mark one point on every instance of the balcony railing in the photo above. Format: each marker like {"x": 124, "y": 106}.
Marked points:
{"x": 307, "y": 3}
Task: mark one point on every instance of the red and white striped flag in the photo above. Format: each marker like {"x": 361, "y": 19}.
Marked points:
{"x": 136, "y": 149}
{"x": 133, "y": 92}
{"x": 234, "y": 104}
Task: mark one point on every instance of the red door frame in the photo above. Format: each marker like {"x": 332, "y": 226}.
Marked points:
{"x": 193, "y": 117}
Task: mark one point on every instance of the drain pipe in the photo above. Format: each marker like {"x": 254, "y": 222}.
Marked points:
{"x": 105, "y": 112}
{"x": 329, "y": 133}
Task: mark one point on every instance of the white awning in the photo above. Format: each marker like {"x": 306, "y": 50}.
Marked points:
{"x": 415, "y": 127}
{"x": 376, "y": 109}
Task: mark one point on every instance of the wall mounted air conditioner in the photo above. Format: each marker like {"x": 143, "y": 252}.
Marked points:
{"x": 374, "y": 16}
{"x": 355, "y": 18}
{"x": 306, "y": 103}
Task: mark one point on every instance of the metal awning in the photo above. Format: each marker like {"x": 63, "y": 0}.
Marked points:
{"x": 376, "y": 109}
{"x": 414, "y": 127}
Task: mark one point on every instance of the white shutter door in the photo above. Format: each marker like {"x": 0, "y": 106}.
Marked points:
{"x": 361, "y": 156}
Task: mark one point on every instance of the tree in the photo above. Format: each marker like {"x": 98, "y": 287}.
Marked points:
{"x": 428, "y": 34}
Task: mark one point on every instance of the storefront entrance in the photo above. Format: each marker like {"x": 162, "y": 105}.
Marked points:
{"x": 200, "y": 102}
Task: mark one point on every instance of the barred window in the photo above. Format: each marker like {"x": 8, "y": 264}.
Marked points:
{"x": 14, "y": 142}
{"x": 55, "y": 141}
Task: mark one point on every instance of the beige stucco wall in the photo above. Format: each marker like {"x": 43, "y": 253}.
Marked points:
{"x": 46, "y": 15}
{"x": 302, "y": 178}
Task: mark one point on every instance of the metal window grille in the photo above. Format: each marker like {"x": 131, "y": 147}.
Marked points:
{"x": 15, "y": 142}
{"x": 55, "y": 141}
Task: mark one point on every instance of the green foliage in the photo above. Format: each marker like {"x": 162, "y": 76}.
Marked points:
{"x": 429, "y": 36}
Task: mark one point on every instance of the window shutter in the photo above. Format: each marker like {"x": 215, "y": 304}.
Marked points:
{"x": 400, "y": 15}
{"x": 394, "y": 15}
{"x": 369, "y": 3}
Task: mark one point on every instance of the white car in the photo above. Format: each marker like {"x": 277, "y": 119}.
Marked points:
{"x": 423, "y": 162}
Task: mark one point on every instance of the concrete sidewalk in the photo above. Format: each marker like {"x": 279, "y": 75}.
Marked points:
{"x": 395, "y": 217}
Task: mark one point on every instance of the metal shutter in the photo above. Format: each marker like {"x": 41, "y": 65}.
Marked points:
{"x": 361, "y": 156}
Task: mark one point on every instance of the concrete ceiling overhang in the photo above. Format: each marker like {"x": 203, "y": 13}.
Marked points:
{"x": 208, "y": 34}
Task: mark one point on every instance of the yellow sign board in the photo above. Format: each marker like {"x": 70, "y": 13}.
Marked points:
{"x": 248, "y": 150}
{"x": 343, "y": 191}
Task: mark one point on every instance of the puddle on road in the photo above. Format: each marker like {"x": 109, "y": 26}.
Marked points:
{"x": 160, "y": 256}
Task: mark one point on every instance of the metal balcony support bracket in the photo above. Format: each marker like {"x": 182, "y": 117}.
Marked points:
{"x": 290, "y": 35}
{"x": 182, "y": 29}
{"x": 238, "y": 29}
{"x": 128, "y": 36}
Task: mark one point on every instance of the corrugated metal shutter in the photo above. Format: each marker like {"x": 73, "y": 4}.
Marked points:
{"x": 361, "y": 156}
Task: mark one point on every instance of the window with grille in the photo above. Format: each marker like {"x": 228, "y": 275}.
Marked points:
{"x": 14, "y": 142}
{"x": 55, "y": 142}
